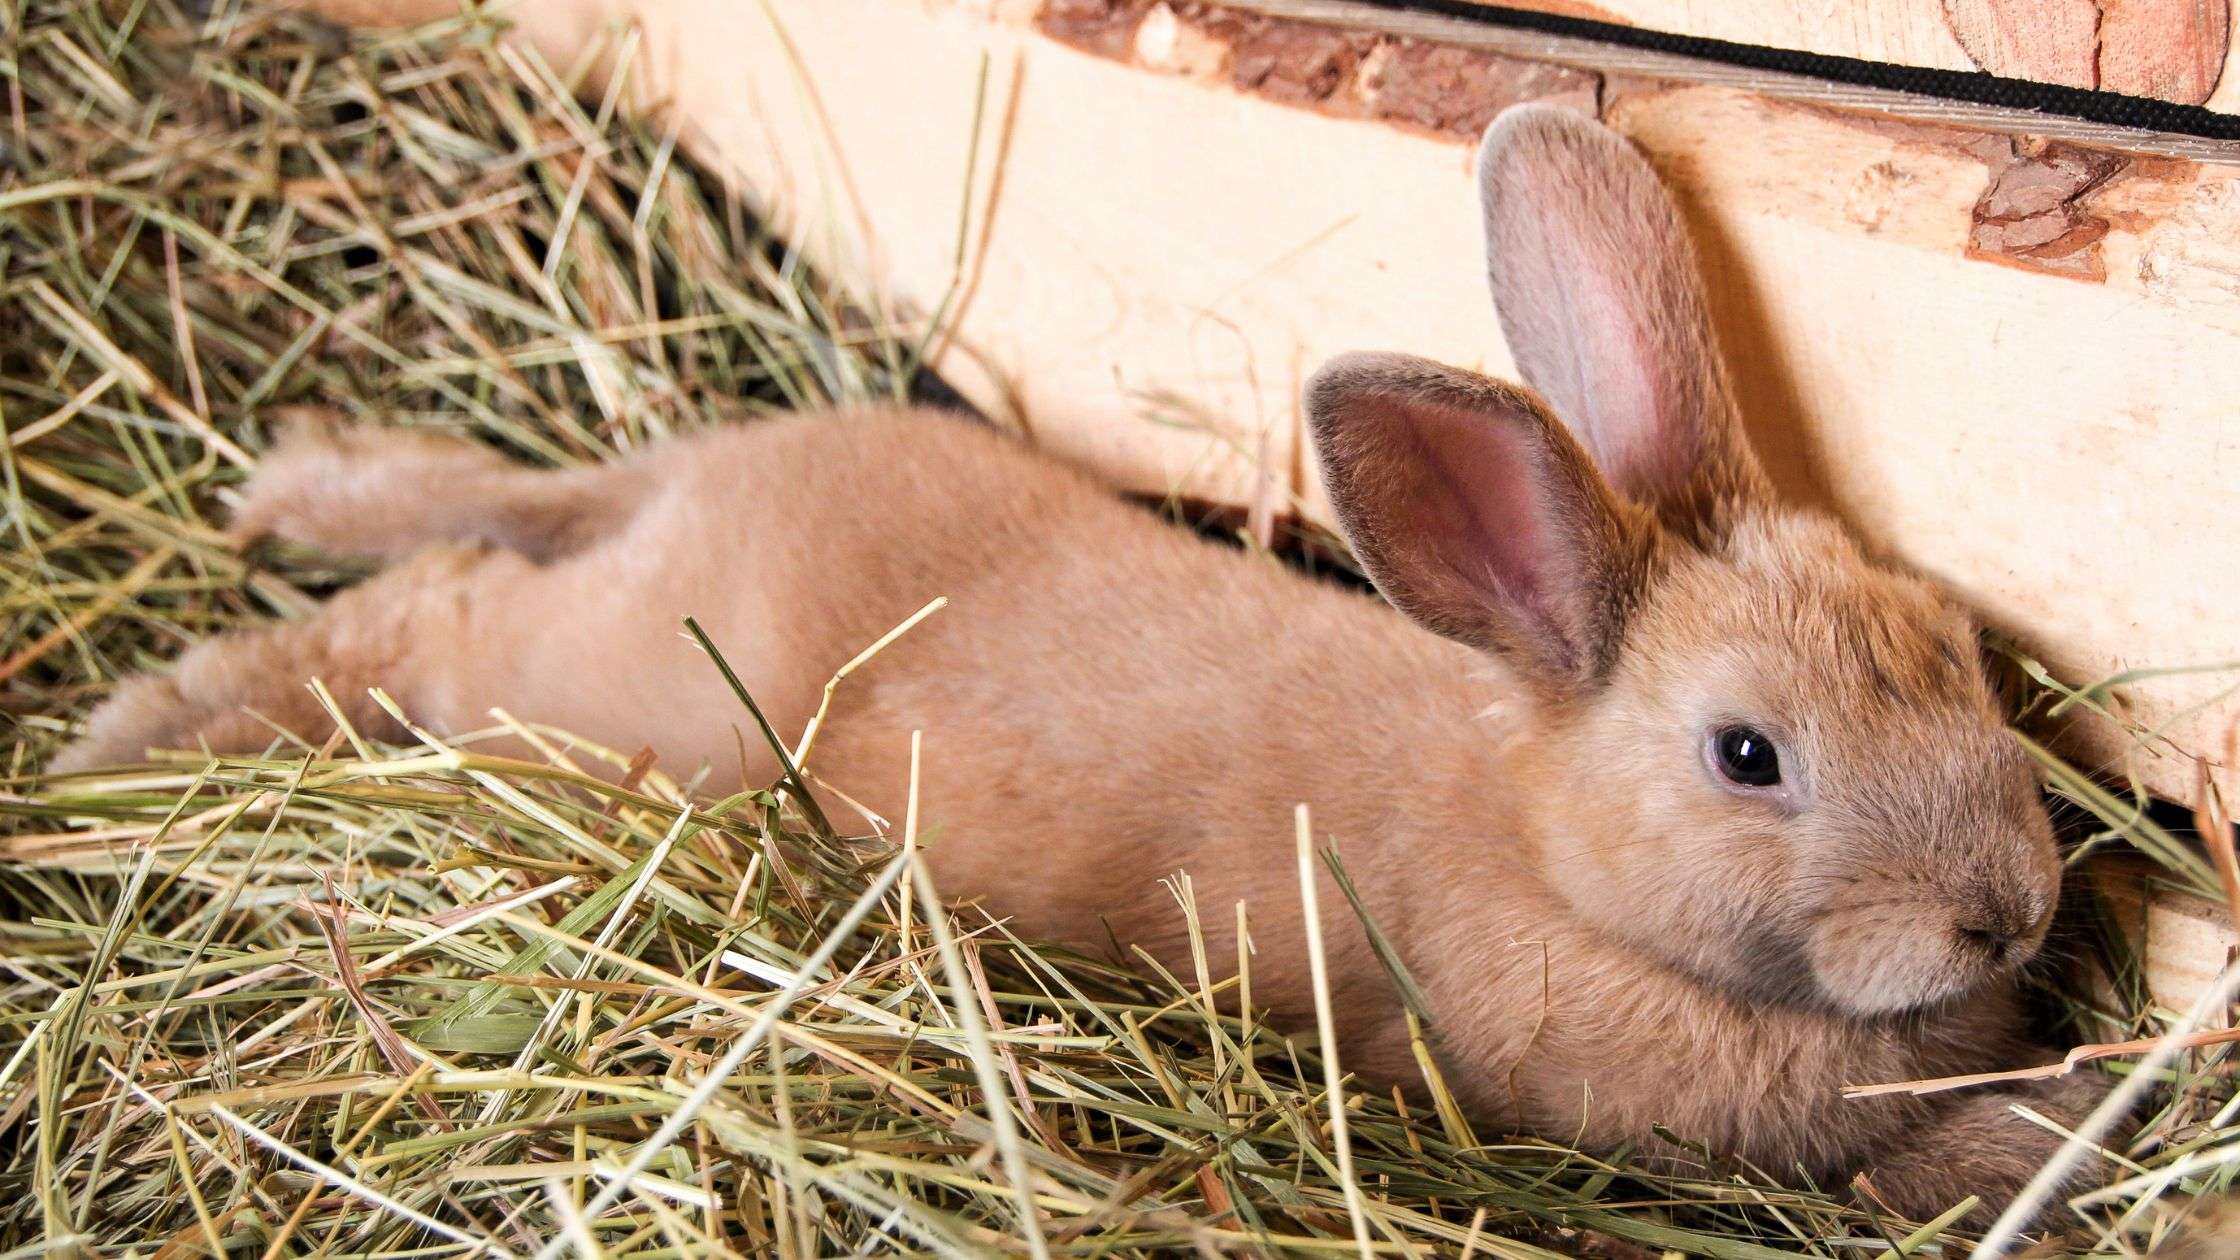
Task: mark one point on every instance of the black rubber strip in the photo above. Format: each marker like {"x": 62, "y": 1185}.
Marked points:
{"x": 1975, "y": 87}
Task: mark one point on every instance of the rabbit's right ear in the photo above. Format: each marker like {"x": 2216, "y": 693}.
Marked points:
{"x": 1477, "y": 514}
{"x": 1602, "y": 306}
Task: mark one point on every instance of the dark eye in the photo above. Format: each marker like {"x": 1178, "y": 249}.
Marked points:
{"x": 1747, "y": 757}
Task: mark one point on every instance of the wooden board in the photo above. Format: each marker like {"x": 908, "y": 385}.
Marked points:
{"x": 2013, "y": 363}
{"x": 2183, "y": 944}
{"x": 1417, "y": 33}
{"x": 2173, "y": 50}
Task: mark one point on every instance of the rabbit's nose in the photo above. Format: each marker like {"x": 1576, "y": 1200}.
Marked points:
{"x": 2000, "y": 925}
{"x": 1992, "y": 943}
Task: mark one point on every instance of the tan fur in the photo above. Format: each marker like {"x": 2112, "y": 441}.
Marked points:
{"x": 1610, "y": 939}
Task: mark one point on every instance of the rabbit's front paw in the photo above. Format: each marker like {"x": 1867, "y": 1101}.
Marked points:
{"x": 1977, "y": 1144}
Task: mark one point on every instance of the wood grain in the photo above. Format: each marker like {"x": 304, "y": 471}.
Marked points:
{"x": 2183, "y": 943}
{"x": 1571, "y": 50}
{"x": 2173, "y": 50}
{"x": 2049, "y": 41}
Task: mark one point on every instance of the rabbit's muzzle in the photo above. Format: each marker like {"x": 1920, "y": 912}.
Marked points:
{"x": 1892, "y": 942}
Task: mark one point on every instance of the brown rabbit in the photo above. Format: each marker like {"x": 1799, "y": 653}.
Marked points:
{"x": 1683, "y": 812}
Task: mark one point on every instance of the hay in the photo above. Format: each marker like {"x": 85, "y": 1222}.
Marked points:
{"x": 424, "y": 1002}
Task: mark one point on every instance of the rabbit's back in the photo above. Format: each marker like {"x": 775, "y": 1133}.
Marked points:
{"x": 1104, "y": 701}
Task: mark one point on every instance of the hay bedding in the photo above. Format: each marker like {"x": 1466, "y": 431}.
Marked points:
{"x": 359, "y": 1001}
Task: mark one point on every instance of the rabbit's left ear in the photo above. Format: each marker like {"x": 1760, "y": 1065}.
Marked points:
{"x": 1477, "y": 514}
{"x": 1602, "y": 306}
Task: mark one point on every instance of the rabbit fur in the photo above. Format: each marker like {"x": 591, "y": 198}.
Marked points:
{"x": 1519, "y": 771}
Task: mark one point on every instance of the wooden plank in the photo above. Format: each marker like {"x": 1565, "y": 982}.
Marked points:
{"x": 2183, "y": 944}
{"x": 2010, "y": 362}
{"x": 1570, "y": 50}
{"x": 2173, "y": 50}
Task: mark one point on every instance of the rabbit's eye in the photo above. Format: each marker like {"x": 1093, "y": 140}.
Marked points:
{"x": 1746, "y": 757}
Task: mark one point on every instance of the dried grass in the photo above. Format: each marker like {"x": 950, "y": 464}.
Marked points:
{"x": 424, "y": 1002}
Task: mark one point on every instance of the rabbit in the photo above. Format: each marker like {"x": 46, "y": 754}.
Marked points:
{"x": 1682, "y": 811}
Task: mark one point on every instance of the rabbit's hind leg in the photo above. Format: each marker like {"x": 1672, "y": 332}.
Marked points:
{"x": 405, "y": 630}
{"x": 237, "y": 693}
{"x": 386, "y": 492}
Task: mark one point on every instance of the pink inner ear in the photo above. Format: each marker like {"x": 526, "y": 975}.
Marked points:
{"x": 1604, "y": 363}
{"x": 1476, "y": 513}
{"x": 1482, "y": 510}
{"x": 1599, "y": 299}
{"x": 1638, "y": 403}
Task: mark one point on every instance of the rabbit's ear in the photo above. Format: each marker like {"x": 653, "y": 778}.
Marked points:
{"x": 1603, "y": 308}
{"x": 1477, "y": 514}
